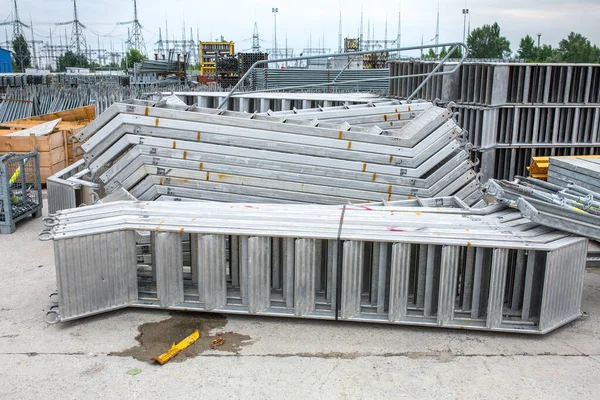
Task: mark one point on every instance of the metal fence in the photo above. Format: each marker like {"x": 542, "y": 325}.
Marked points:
{"x": 20, "y": 189}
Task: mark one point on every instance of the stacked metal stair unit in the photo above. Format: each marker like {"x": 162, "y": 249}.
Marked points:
{"x": 363, "y": 153}
{"x": 433, "y": 262}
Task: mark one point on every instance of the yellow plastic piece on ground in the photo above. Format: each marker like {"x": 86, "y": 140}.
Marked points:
{"x": 176, "y": 348}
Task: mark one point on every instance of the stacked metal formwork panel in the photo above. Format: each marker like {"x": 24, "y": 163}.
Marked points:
{"x": 486, "y": 269}
{"x": 514, "y": 112}
{"x": 364, "y": 153}
{"x": 266, "y": 79}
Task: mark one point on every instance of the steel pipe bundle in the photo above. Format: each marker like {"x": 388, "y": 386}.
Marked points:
{"x": 484, "y": 269}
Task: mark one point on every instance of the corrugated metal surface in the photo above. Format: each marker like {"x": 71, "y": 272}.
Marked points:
{"x": 563, "y": 285}
{"x": 106, "y": 277}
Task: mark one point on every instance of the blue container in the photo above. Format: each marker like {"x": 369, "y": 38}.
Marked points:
{"x": 5, "y": 61}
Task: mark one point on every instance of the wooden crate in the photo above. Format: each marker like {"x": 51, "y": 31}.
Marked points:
{"x": 55, "y": 149}
{"x": 52, "y": 150}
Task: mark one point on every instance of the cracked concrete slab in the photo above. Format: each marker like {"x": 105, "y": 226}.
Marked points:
{"x": 292, "y": 358}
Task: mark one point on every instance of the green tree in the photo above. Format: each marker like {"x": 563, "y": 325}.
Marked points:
{"x": 131, "y": 58}
{"x": 486, "y": 42}
{"x": 22, "y": 57}
{"x": 430, "y": 54}
{"x": 576, "y": 48}
{"x": 70, "y": 59}
{"x": 455, "y": 54}
{"x": 547, "y": 53}
{"x": 527, "y": 49}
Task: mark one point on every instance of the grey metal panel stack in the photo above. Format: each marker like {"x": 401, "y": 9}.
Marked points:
{"x": 584, "y": 172}
{"x": 270, "y": 78}
{"x": 517, "y": 111}
{"x": 486, "y": 269}
{"x": 310, "y": 156}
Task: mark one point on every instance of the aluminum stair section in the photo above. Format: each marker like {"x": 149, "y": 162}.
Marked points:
{"x": 517, "y": 284}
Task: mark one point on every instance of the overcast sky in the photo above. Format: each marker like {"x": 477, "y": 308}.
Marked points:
{"x": 298, "y": 20}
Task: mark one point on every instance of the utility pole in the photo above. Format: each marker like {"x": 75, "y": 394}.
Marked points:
{"x": 465, "y": 12}
{"x": 35, "y": 61}
{"x": 539, "y": 35}
{"x": 339, "y": 33}
{"x": 360, "y": 36}
{"x": 275, "y": 11}
{"x": 399, "y": 35}
{"x": 437, "y": 32}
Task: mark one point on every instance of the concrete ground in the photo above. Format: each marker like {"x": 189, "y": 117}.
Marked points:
{"x": 282, "y": 358}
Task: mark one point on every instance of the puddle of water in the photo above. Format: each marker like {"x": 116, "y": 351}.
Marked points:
{"x": 156, "y": 338}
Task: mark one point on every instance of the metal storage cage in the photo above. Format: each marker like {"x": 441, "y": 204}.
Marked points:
{"x": 20, "y": 189}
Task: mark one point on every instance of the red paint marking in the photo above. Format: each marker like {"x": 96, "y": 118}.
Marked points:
{"x": 396, "y": 230}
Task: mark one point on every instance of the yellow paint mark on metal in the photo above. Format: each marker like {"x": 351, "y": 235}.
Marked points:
{"x": 468, "y": 244}
{"x": 408, "y": 108}
{"x": 364, "y": 167}
{"x": 156, "y": 123}
{"x": 390, "y": 199}
{"x": 399, "y": 116}
{"x": 418, "y": 213}
{"x": 340, "y": 135}
{"x": 161, "y": 181}
{"x": 391, "y": 123}
{"x": 223, "y": 176}
{"x": 385, "y": 117}
{"x": 349, "y": 145}
{"x": 158, "y": 228}
{"x": 208, "y": 176}
{"x": 174, "y": 144}
{"x": 409, "y": 197}
{"x": 185, "y": 155}
{"x": 199, "y": 136}
{"x": 147, "y": 111}
{"x": 395, "y": 110}
{"x": 201, "y": 166}
{"x": 374, "y": 177}
{"x": 194, "y": 219}
{"x": 391, "y": 159}
{"x": 186, "y": 180}
{"x": 177, "y": 348}
{"x": 390, "y": 189}
{"x": 182, "y": 230}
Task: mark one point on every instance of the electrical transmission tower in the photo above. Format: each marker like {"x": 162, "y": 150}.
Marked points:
{"x": 160, "y": 46}
{"x": 16, "y": 22}
{"x": 135, "y": 39}
{"x": 78, "y": 42}
{"x": 255, "y": 40}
